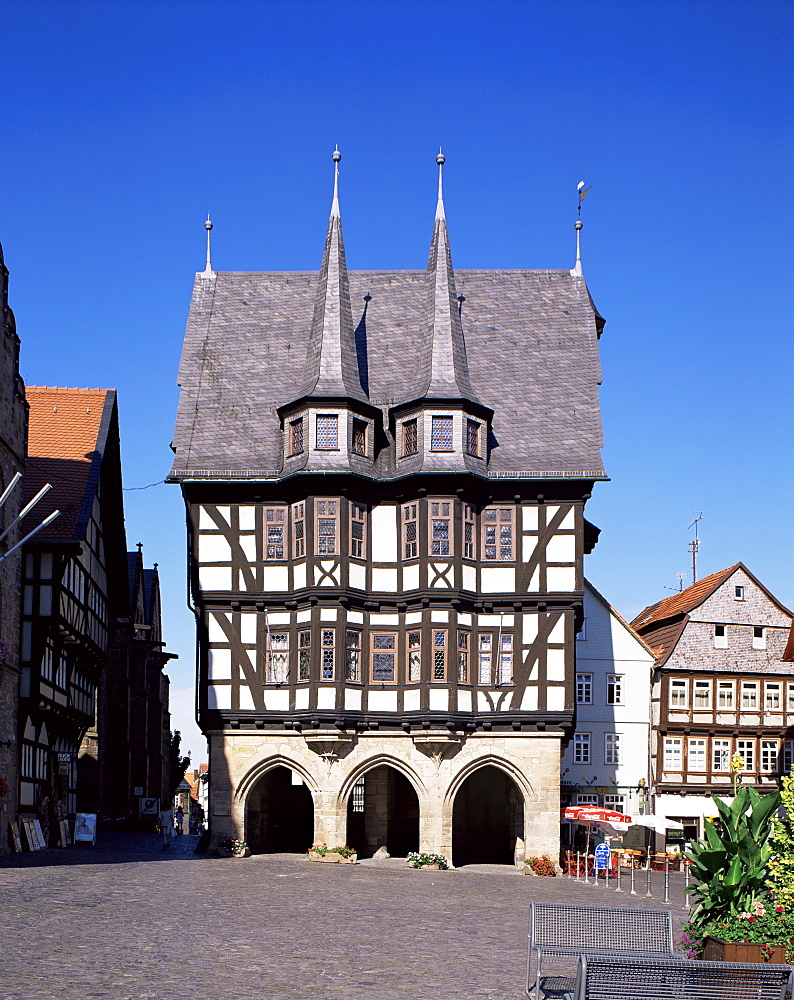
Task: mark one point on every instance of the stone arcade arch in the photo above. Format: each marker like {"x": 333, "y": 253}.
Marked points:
{"x": 382, "y": 811}
{"x": 487, "y": 817}
{"x": 279, "y": 812}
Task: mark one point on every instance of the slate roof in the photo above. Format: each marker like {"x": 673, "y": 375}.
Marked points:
{"x": 66, "y": 442}
{"x": 531, "y": 349}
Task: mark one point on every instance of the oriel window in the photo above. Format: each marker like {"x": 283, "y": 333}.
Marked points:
{"x": 359, "y": 443}
{"x": 441, "y": 434}
{"x": 384, "y": 657}
{"x": 468, "y": 531}
{"x": 485, "y": 654}
{"x": 497, "y": 534}
{"x": 327, "y": 431}
{"x": 414, "y": 657}
{"x": 358, "y": 529}
{"x": 326, "y": 527}
{"x": 304, "y": 655}
{"x": 275, "y": 531}
{"x": 439, "y": 655}
{"x": 277, "y": 657}
{"x": 353, "y": 656}
{"x": 298, "y": 531}
{"x": 506, "y": 659}
{"x": 296, "y": 437}
{"x": 410, "y": 530}
{"x": 409, "y": 438}
{"x": 327, "y": 654}
{"x": 463, "y": 657}
{"x": 473, "y": 438}
{"x": 440, "y": 527}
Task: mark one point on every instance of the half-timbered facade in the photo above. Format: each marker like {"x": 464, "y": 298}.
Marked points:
{"x": 720, "y": 688}
{"x": 385, "y": 476}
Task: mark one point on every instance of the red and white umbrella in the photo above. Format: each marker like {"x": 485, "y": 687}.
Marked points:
{"x": 595, "y": 815}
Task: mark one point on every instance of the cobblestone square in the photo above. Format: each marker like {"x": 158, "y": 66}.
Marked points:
{"x": 128, "y": 920}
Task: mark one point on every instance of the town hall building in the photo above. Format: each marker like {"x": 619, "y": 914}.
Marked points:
{"x": 385, "y": 476}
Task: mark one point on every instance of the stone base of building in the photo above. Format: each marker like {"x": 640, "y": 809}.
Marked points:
{"x": 485, "y": 797}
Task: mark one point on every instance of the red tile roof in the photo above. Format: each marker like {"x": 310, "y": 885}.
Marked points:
{"x": 65, "y": 446}
{"x": 683, "y": 602}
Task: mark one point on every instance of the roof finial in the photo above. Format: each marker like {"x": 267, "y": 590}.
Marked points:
{"x": 208, "y": 272}
{"x": 336, "y": 156}
{"x": 440, "y": 160}
{"x": 583, "y": 192}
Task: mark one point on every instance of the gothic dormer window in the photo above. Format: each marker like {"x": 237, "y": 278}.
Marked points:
{"x": 327, "y": 432}
{"x": 441, "y": 434}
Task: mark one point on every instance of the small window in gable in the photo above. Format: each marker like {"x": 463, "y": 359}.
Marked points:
{"x": 738, "y": 593}
{"x": 327, "y": 432}
{"x": 409, "y": 438}
{"x": 359, "y": 443}
{"x": 296, "y": 437}
{"x": 441, "y": 434}
{"x": 473, "y": 438}
{"x": 759, "y": 637}
{"x": 720, "y": 637}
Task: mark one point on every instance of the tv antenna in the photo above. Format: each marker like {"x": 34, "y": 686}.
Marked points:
{"x": 694, "y": 545}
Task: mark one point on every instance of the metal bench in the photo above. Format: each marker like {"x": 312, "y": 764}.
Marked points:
{"x": 618, "y": 977}
{"x": 563, "y": 930}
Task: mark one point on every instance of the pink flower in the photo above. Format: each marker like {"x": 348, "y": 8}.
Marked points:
{"x": 778, "y": 909}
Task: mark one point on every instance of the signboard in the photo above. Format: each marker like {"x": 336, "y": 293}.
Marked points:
{"x": 138, "y": 790}
{"x": 30, "y": 835}
{"x": 149, "y": 807}
{"x": 39, "y": 834}
{"x": 85, "y": 828}
{"x": 602, "y": 853}
{"x": 65, "y": 838}
{"x": 65, "y": 756}
{"x": 16, "y": 839}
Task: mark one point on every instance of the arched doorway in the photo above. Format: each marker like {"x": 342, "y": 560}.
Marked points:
{"x": 383, "y": 811}
{"x": 487, "y": 817}
{"x": 279, "y": 814}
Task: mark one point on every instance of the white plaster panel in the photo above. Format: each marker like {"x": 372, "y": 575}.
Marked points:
{"x": 246, "y": 698}
{"x": 206, "y": 522}
{"x": 555, "y": 665}
{"x": 555, "y": 699}
{"x": 530, "y": 629}
{"x": 482, "y": 702}
{"x": 299, "y": 575}
{"x": 215, "y": 577}
{"x": 569, "y": 521}
{"x": 439, "y": 700}
{"x": 278, "y": 618}
{"x": 384, "y": 579}
{"x": 219, "y": 696}
{"x": 277, "y": 701}
{"x": 464, "y": 618}
{"x": 411, "y": 701}
{"x": 276, "y": 578}
{"x": 413, "y": 618}
{"x": 358, "y": 576}
{"x": 328, "y": 614}
{"x": 561, "y": 548}
{"x": 376, "y": 619}
{"x": 215, "y": 632}
{"x": 560, "y": 578}
{"x": 251, "y": 655}
{"x": 219, "y": 664}
{"x": 469, "y": 577}
{"x": 411, "y": 577}
{"x": 326, "y": 697}
{"x": 247, "y": 628}
{"x": 528, "y": 545}
{"x": 439, "y": 615}
{"x": 248, "y": 545}
{"x": 382, "y": 701}
{"x": 355, "y": 617}
{"x": 551, "y": 510}
{"x": 464, "y": 701}
{"x": 303, "y": 616}
{"x": 495, "y": 621}
{"x": 352, "y": 700}
{"x": 496, "y": 580}
{"x": 301, "y": 698}
{"x": 247, "y": 516}
{"x": 529, "y": 518}
{"x": 384, "y": 533}
{"x": 557, "y": 634}
{"x": 529, "y": 703}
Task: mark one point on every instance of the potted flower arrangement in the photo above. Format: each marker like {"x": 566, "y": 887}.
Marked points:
{"x": 233, "y": 848}
{"x": 338, "y": 855}
{"x": 427, "y": 859}
{"x": 540, "y": 866}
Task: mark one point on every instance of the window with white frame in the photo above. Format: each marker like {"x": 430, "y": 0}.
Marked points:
{"x": 439, "y": 654}
{"x": 788, "y": 756}
{"x": 581, "y": 748}
{"x": 769, "y": 756}
{"x": 353, "y": 656}
{"x": 587, "y": 799}
{"x": 463, "y": 657}
{"x": 673, "y": 753}
{"x": 612, "y": 748}
{"x": 298, "y": 531}
{"x": 497, "y": 534}
{"x": 277, "y": 657}
{"x": 410, "y": 513}
{"x": 759, "y": 637}
{"x": 304, "y": 655}
{"x": 327, "y": 432}
{"x": 738, "y": 593}
{"x": 468, "y": 531}
{"x": 326, "y": 527}
{"x": 485, "y": 653}
{"x": 726, "y": 691}
{"x": 384, "y": 657}
{"x": 275, "y": 532}
{"x": 720, "y": 637}
{"x": 749, "y": 695}
{"x": 696, "y": 755}
{"x": 506, "y": 659}
{"x": 358, "y": 531}
{"x": 440, "y": 534}
{"x": 617, "y": 803}
{"x": 790, "y": 697}
{"x": 746, "y": 749}
{"x": 772, "y": 696}
{"x": 701, "y": 694}
{"x": 441, "y": 434}
{"x": 679, "y": 692}
{"x": 414, "y": 657}
{"x": 584, "y": 689}
{"x": 327, "y": 657}
{"x": 614, "y": 689}
{"x": 720, "y": 755}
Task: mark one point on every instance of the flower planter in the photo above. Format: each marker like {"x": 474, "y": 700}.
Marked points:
{"x": 434, "y": 868}
{"x": 333, "y": 858}
{"x": 717, "y": 950}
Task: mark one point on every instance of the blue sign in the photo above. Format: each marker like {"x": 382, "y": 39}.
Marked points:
{"x": 65, "y": 756}
{"x": 602, "y": 853}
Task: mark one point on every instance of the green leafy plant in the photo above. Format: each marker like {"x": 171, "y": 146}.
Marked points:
{"x": 770, "y": 926}
{"x": 781, "y": 864}
{"x": 730, "y": 863}
{"x": 323, "y": 849}
{"x": 541, "y": 866}
{"x": 417, "y": 859}
{"x": 234, "y": 846}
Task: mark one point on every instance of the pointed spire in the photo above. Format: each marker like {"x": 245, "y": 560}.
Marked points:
{"x": 449, "y": 370}
{"x": 208, "y": 272}
{"x": 577, "y": 270}
{"x": 332, "y": 362}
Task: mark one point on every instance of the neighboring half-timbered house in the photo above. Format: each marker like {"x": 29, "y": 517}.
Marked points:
{"x": 721, "y": 687}
{"x": 385, "y": 476}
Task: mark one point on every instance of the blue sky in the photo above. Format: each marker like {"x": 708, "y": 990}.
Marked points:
{"x": 124, "y": 123}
